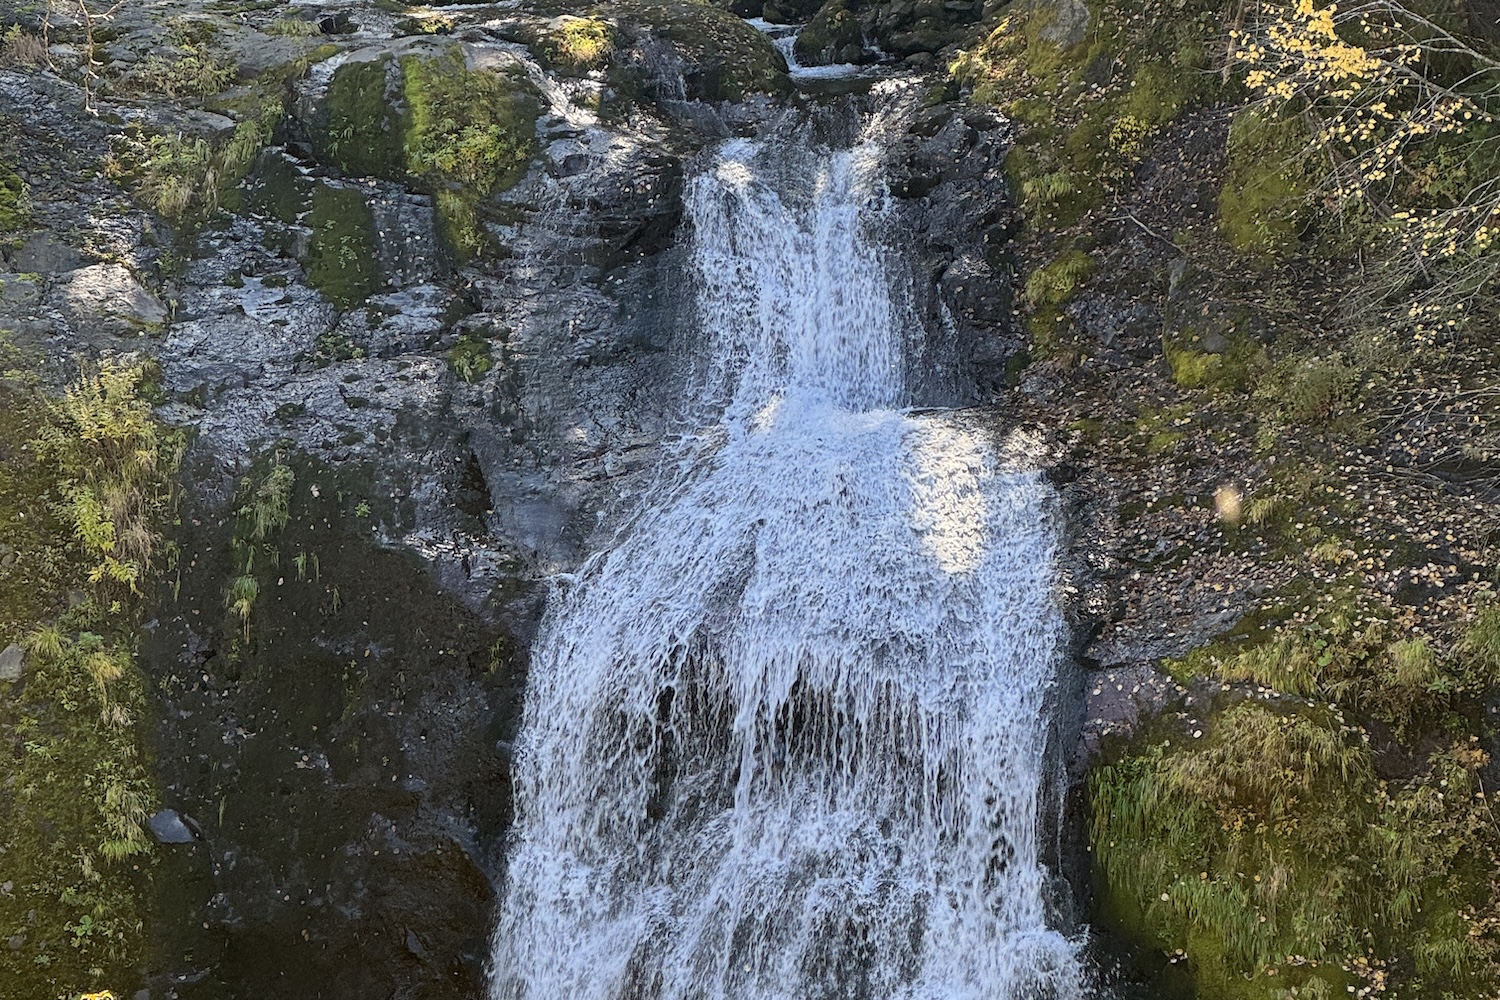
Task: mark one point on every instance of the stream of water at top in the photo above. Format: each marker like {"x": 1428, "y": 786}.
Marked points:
{"x": 785, "y": 740}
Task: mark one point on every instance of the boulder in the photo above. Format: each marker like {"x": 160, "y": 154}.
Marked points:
{"x": 12, "y": 663}
{"x": 107, "y": 298}
{"x": 1066, "y": 21}
{"x": 171, "y": 827}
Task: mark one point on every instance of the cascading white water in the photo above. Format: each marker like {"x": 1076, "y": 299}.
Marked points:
{"x": 785, "y": 740}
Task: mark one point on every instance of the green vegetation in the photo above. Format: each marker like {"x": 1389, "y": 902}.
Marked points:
{"x": 578, "y": 45}
{"x": 264, "y": 511}
{"x": 468, "y": 135}
{"x": 110, "y": 452}
{"x": 470, "y": 358}
{"x": 14, "y": 212}
{"x": 364, "y": 134}
{"x": 1087, "y": 121}
{"x": 183, "y": 178}
{"x": 294, "y": 27}
{"x": 83, "y": 485}
{"x": 1315, "y": 824}
{"x": 1055, "y": 283}
{"x": 1269, "y": 846}
{"x": 464, "y": 135}
{"x": 193, "y": 72}
{"x": 343, "y": 257}
{"x": 1263, "y": 206}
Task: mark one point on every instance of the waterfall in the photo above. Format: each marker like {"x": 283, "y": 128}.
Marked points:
{"x": 785, "y": 740}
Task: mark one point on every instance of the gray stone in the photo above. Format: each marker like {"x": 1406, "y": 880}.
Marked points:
{"x": 108, "y": 298}
{"x": 46, "y": 254}
{"x": 1067, "y": 21}
{"x": 12, "y": 663}
{"x": 170, "y": 827}
{"x": 19, "y": 294}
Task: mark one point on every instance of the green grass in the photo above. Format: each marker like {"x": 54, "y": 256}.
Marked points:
{"x": 1269, "y": 843}
{"x": 579, "y": 44}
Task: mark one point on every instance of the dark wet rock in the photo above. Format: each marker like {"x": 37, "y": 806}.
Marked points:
{"x": 898, "y": 28}
{"x": 789, "y": 11}
{"x": 834, "y": 35}
{"x": 955, "y": 215}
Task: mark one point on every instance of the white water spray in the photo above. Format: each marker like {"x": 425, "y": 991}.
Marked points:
{"x": 785, "y": 741}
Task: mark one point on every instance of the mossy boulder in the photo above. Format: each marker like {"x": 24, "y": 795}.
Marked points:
{"x": 426, "y": 119}
{"x": 789, "y": 11}
{"x": 693, "y": 50}
{"x": 360, "y": 126}
{"x": 833, "y": 35}
{"x": 903, "y": 28}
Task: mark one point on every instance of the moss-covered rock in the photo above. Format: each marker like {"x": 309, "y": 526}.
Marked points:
{"x": 13, "y": 210}
{"x": 575, "y": 45}
{"x": 430, "y": 121}
{"x": 361, "y": 130}
{"x": 81, "y": 488}
{"x": 1263, "y": 206}
{"x": 832, "y": 36}
{"x": 342, "y": 257}
{"x": 721, "y": 57}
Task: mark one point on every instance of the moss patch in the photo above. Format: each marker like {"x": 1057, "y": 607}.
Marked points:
{"x": 468, "y": 135}
{"x": 364, "y": 134}
{"x": 13, "y": 208}
{"x": 342, "y": 258}
{"x": 577, "y": 44}
{"x": 1269, "y": 846}
{"x": 463, "y": 135}
{"x": 1263, "y": 206}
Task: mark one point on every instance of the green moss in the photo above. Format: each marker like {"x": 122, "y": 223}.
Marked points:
{"x": 1055, "y": 283}
{"x": 363, "y": 135}
{"x": 342, "y": 258}
{"x": 76, "y": 860}
{"x": 471, "y": 358}
{"x": 14, "y": 212}
{"x": 1267, "y": 851}
{"x": 468, "y": 135}
{"x": 577, "y": 44}
{"x": 1263, "y": 205}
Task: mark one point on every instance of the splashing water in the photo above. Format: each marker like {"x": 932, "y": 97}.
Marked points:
{"x": 786, "y": 739}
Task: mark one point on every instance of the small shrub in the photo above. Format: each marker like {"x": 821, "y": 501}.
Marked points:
{"x": 22, "y": 49}
{"x": 115, "y": 466}
{"x": 195, "y": 72}
{"x": 580, "y": 44}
